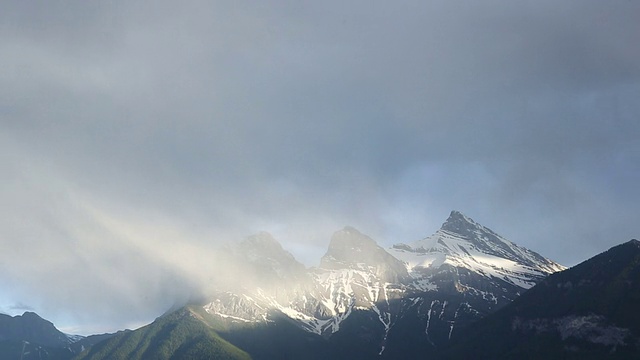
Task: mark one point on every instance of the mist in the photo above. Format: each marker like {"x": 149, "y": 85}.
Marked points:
{"x": 136, "y": 140}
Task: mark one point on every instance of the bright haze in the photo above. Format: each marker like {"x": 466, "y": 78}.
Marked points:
{"x": 135, "y": 138}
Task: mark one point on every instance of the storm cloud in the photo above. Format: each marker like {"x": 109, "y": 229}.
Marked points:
{"x": 137, "y": 137}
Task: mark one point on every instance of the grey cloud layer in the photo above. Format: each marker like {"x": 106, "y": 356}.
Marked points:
{"x": 212, "y": 121}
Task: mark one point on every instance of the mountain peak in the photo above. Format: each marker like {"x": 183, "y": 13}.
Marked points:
{"x": 463, "y": 243}
{"x": 457, "y": 222}
{"x": 352, "y": 237}
{"x": 456, "y": 213}
{"x": 267, "y": 256}
{"x": 346, "y": 245}
{"x": 262, "y": 245}
{"x": 588, "y": 311}
{"x": 32, "y": 328}
{"x": 476, "y": 234}
{"x": 350, "y": 230}
{"x": 634, "y": 242}
{"x": 351, "y": 249}
{"x": 31, "y": 315}
{"x": 262, "y": 239}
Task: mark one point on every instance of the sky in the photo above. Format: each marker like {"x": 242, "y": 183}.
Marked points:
{"x": 136, "y": 137}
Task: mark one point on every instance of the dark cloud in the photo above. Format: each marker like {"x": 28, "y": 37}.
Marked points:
{"x": 134, "y": 136}
{"x": 21, "y": 307}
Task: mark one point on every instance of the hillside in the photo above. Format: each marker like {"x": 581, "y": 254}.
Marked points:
{"x": 586, "y": 312}
{"x": 187, "y": 333}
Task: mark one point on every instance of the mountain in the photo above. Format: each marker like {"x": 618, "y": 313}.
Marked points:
{"x": 349, "y": 249}
{"x": 474, "y": 259}
{"x": 187, "y": 333}
{"x": 586, "y": 312}
{"x": 462, "y": 243}
{"x": 28, "y": 336}
{"x": 460, "y": 274}
{"x": 364, "y": 301}
{"x": 32, "y": 328}
{"x": 464, "y": 292}
{"x": 268, "y": 260}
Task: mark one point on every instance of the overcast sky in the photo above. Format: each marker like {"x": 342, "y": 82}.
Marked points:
{"x": 137, "y": 136}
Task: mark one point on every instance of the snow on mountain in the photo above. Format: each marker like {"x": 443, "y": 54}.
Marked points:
{"x": 464, "y": 244}
{"x": 587, "y": 312}
{"x": 357, "y": 274}
{"x": 459, "y": 274}
{"x": 74, "y": 338}
{"x": 265, "y": 252}
{"x": 353, "y": 274}
{"x": 350, "y": 249}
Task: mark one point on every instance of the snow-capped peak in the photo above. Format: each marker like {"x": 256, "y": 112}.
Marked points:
{"x": 350, "y": 249}
{"x": 463, "y": 271}
{"x": 265, "y": 262}
{"x": 263, "y": 244}
{"x": 463, "y": 243}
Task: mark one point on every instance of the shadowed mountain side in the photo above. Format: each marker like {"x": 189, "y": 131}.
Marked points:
{"x": 360, "y": 337}
{"x": 27, "y": 351}
{"x": 422, "y": 327}
{"x": 28, "y": 336}
{"x": 586, "y": 312}
{"x": 32, "y": 328}
{"x": 280, "y": 338}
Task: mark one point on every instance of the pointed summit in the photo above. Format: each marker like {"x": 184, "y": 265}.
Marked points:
{"x": 490, "y": 243}
{"x": 350, "y": 249}
{"x": 267, "y": 257}
{"x": 457, "y": 222}
{"x": 350, "y": 240}
{"x": 634, "y": 242}
{"x": 463, "y": 243}
{"x": 262, "y": 243}
{"x": 462, "y": 225}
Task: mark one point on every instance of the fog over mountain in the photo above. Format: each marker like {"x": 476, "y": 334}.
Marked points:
{"x": 136, "y": 139}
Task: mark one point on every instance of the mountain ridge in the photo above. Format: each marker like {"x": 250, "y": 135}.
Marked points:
{"x": 588, "y": 311}
{"x": 363, "y": 301}
{"x": 463, "y": 243}
{"x": 29, "y": 336}
{"x": 360, "y": 285}
{"x": 187, "y": 333}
